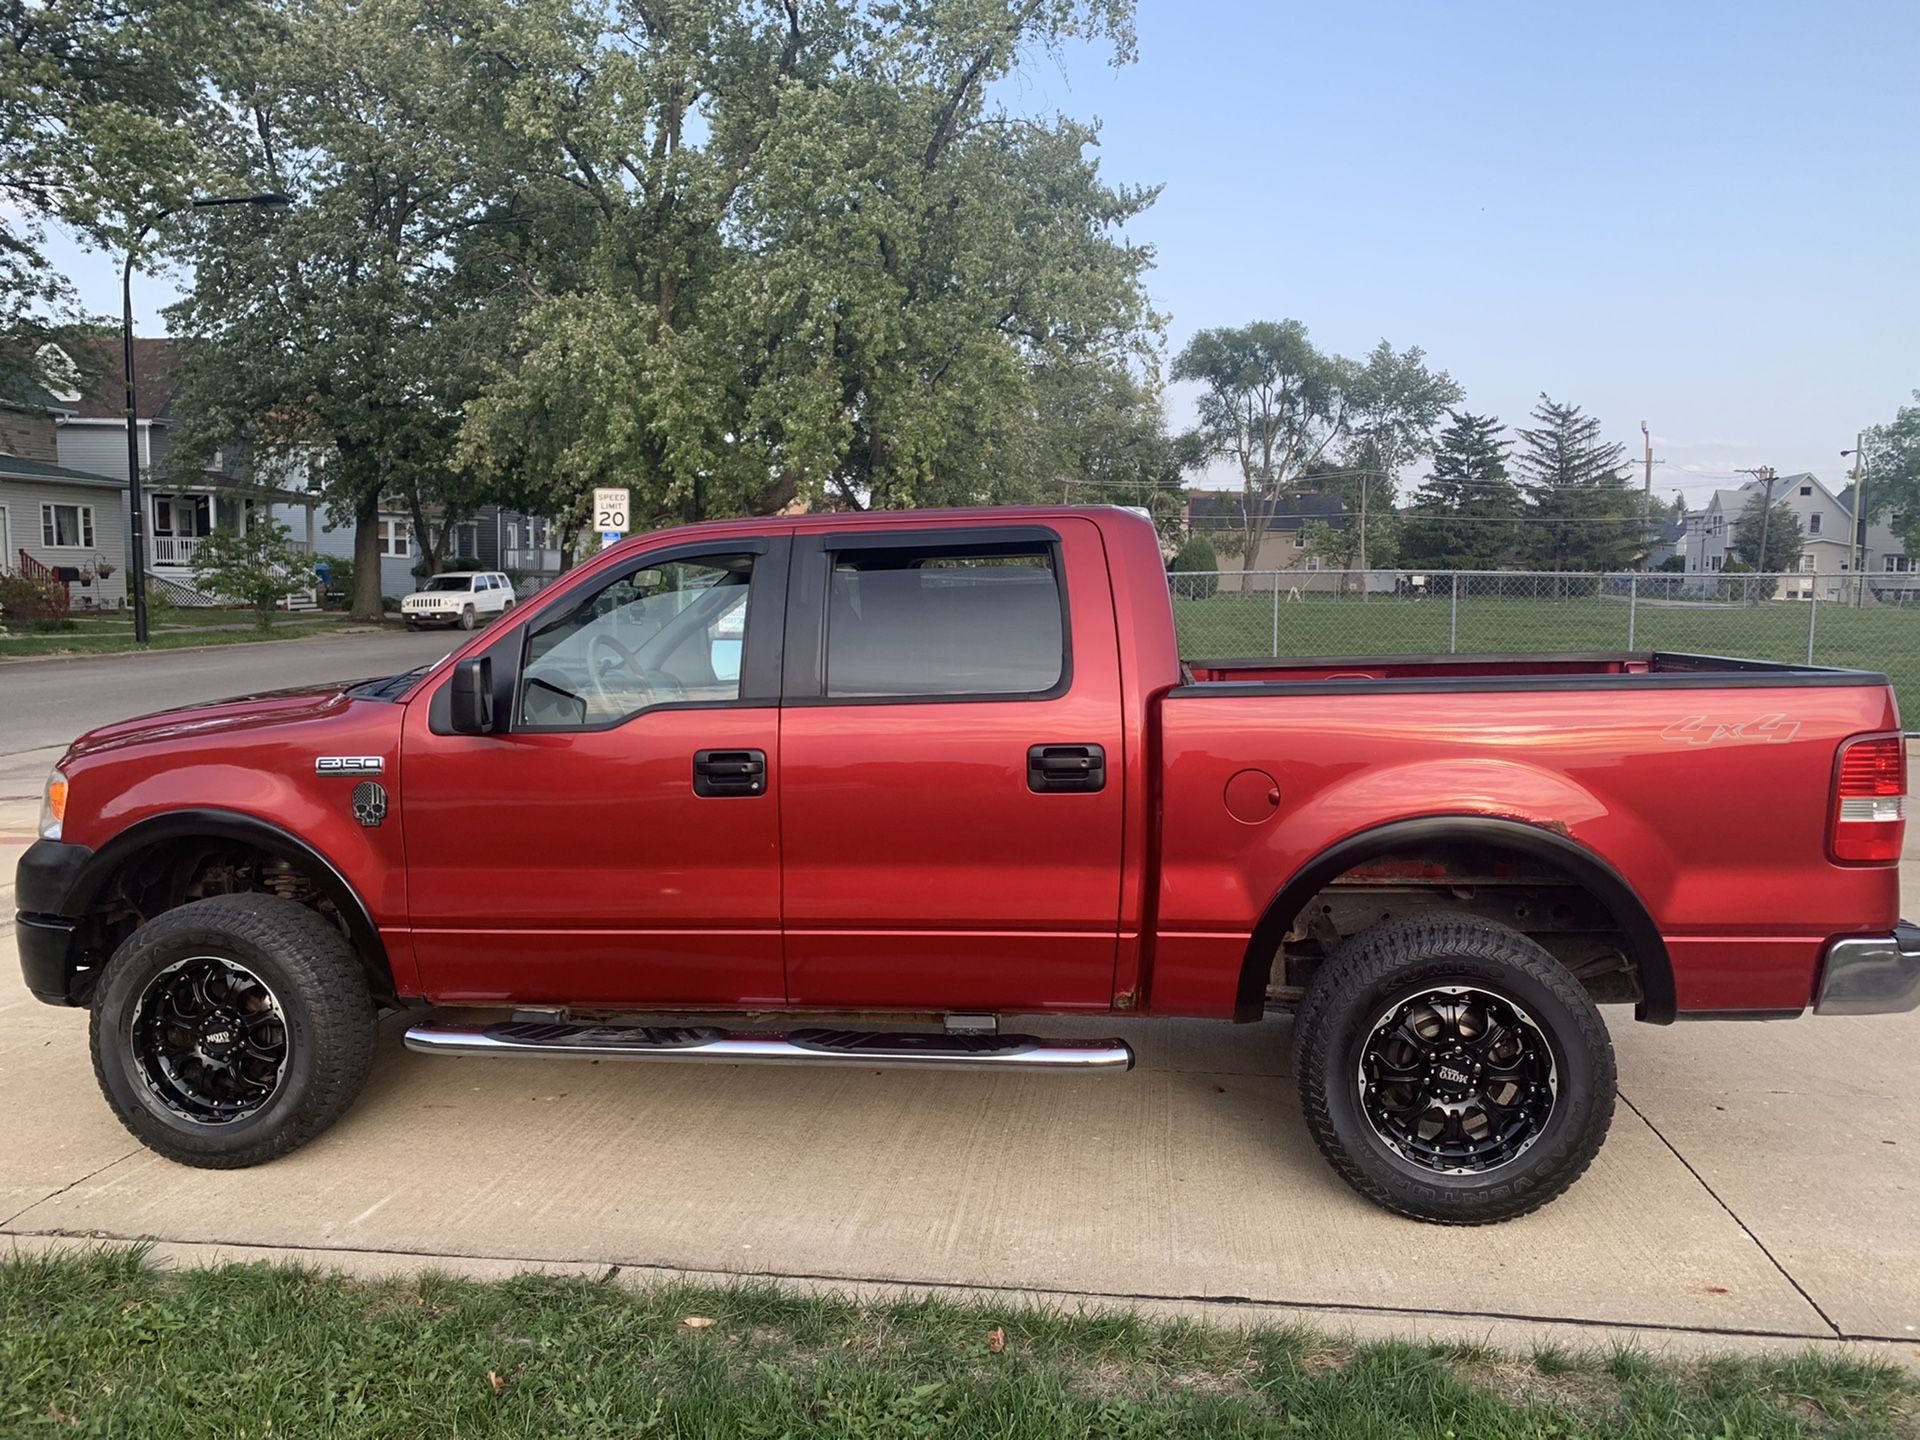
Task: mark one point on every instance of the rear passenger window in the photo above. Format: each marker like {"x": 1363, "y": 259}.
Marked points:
{"x": 984, "y": 620}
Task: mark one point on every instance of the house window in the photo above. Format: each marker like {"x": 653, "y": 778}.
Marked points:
{"x": 1806, "y": 564}
{"x": 1719, "y": 524}
{"x": 1716, "y": 562}
{"x": 66, "y": 527}
{"x": 1813, "y": 523}
{"x": 395, "y": 538}
{"x": 1806, "y": 489}
{"x": 1313, "y": 562}
{"x": 1895, "y": 564}
{"x": 1298, "y": 543}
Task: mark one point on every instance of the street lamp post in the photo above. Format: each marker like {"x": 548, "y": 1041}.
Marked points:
{"x": 1859, "y": 517}
{"x": 137, "y": 534}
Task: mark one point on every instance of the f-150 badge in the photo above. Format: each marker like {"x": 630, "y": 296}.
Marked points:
{"x": 348, "y": 765}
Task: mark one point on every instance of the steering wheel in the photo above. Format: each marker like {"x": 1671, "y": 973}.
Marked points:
{"x": 653, "y": 687}
{"x": 601, "y": 646}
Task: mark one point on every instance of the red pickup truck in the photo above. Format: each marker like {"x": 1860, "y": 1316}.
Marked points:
{"x": 907, "y": 774}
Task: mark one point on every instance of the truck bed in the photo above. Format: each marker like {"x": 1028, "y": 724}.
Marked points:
{"x": 1600, "y": 669}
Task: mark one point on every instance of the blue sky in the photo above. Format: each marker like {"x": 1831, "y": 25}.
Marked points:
{"x": 1701, "y": 214}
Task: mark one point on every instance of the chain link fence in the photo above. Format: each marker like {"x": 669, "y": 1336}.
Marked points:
{"x": 1867, "y": 621}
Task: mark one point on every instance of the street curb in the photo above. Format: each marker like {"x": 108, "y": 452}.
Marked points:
{"x": 1513, "y": 1334}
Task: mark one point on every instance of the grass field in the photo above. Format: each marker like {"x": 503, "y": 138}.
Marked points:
{"x": 110, "y": 633}
{"x": 1882, "y": 639}
{"x": 101, "y": 1344}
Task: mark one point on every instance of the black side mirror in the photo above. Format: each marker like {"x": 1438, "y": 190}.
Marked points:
{"x": 472, "y": 697}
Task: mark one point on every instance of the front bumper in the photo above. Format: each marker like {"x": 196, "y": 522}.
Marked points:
{"x": 45, "y": 883}
{"x": 1871, "y": 974}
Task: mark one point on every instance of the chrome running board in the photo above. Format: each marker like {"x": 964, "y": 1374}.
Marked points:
{"x": 553, "y": 1040}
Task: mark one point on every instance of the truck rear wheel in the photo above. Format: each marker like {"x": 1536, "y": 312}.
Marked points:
{"x": 232, "y": 1030}
{"x": 1452, "y": 1070}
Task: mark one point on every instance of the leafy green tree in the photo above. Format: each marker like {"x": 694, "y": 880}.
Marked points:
{"x": 1892, "y": 463}
{"x": 103, "y": 120}
{"x": 259, "y": 567}
{"x": 1095, "y": 435}
{"x": 1271, "y": 405}
{"x": 1582, "y": 514}
{"x": 1394, "y": 404}
{"x": 1783, "y": 536}
{"x": 1195, "y": 566}
{"x": 347, "y": 334}
{"x": 1465, "y": 514}
{"x": 799, "y": 250}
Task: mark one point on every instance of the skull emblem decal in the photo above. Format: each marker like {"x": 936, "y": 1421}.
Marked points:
{"x": 369, "y": 803}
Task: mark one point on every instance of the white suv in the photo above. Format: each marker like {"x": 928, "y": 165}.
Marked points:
{"x": 462, "y": 597}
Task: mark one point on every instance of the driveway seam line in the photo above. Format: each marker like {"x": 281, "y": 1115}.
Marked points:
{"x": 1772, "y": 1260}
{"x": 988, "y": 1286}
{"x": 56, "y": 1194}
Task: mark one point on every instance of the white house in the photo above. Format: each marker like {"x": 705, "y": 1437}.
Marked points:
{"x": 1826, "y": 560}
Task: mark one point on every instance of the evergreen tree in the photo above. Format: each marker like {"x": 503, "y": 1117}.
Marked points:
{"x": 1783, "y": 534}
{"x": 1584, "y": 515}
{"x": 1463, "y": 516}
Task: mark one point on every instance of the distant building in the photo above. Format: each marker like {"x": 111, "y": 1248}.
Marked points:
{"x": 1828, "y": 534}
{"x": 1218, "y": 513}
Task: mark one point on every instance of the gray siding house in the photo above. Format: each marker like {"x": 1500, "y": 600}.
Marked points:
{"x": 64, "y": 520}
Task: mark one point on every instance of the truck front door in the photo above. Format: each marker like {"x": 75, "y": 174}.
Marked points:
{"x": 950, "y": 760}
{"x": 615, "y": 841}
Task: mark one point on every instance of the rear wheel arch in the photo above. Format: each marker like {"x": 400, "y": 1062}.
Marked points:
{"x": 1606, "y": 885}
{"x": 176, "y": 831}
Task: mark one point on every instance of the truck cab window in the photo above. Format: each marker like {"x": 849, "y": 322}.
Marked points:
{"x": 667, "y": 634}
{"x": 918, "y": 622}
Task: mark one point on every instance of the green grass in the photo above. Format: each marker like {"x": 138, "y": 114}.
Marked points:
{"x": 1227, "y": 626}
{"x": 99, "y": 1343}
{"x": 107, "y": 635}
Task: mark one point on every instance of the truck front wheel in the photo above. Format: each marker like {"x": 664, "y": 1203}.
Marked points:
{"x": 1452, "y": 1070}
{"x": 232, "y": 1030}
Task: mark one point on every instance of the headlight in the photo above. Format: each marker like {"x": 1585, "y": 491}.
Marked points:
{"x": 53, "y": 806}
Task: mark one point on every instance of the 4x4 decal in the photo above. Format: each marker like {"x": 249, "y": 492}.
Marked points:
{"x": 1699, "y": 730}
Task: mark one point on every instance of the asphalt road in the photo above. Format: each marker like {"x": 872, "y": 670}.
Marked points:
{"x": 48, "y": 702}
{"x": 1758, "y": 1189}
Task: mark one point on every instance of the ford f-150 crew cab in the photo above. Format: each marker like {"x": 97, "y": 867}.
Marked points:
{"x": 903, "y": 775}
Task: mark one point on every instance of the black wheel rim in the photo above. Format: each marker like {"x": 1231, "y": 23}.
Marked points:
{"x": 210, "y": 1040}
{"x": 1457, "y": 1079}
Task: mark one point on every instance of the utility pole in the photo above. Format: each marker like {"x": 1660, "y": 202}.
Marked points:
{"x": 1768, "y": 474}
{"x": 1646, "y": 495}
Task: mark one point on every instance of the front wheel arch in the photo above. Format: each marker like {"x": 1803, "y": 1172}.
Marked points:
{"x": 1658, "y": 1004}
{"x": 94, "y": 882}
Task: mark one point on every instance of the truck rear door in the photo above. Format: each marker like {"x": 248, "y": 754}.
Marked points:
{"x": 950, "y": 761}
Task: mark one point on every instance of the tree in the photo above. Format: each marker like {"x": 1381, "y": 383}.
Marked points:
{"x": 259, "y": 567}
{"x": 807, "y": 253}
{"x": 1465, "y": 514}
{"x": 1783, "y": 535}
{"x": 1582, "y": 514}
{"x": 1394, "y": 404}
{"x": 103, "y": 119}
{"x": 1270, "y": 404}
{"x": 1196, "y": 559}
{"x": 1094, "y": 434}
{"x": 1892, "y": 465}
{"x": 348, "y": 333}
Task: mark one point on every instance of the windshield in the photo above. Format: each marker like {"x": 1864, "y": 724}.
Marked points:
{"x": 448, "y": 582}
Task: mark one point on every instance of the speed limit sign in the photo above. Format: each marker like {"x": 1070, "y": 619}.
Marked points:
{"x": 610, "y": 514}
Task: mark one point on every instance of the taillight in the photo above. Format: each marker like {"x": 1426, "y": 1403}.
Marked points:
{"x": 1870, "y": 799}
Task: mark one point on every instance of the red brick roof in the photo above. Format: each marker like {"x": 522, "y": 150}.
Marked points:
{"x": 156, "y": 367}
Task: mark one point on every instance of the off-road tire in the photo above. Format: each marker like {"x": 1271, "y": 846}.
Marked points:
{"x": 1379, "y": 966}
{"x": 466, "y": 617}
{"x": 327, "y": 1010}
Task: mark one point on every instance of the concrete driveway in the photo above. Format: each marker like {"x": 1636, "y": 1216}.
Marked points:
{"x": 1759, "y": 1187}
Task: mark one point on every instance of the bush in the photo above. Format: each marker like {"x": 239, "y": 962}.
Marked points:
{"x": 390, "y": 603}
{"x": 22, "y": 598}
{"x": 1197, "y": 562}
{"x": 1672, "y": 565}
{"x": 260, "y": 568}
{"x": 467, "y": 562}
